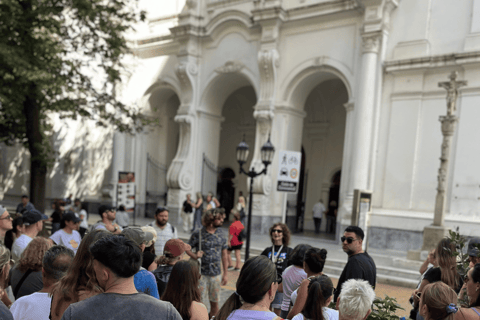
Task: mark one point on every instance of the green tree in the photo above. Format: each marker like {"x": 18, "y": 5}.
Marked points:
{"x": 64, "y": 57}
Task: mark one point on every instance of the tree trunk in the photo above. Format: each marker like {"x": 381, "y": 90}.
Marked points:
{"x": 38, "y": 163}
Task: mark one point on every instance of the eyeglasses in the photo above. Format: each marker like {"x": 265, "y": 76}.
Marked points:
{"x": 9, "y": 216}
{"x": 349, "y": 239}
{"x": 277, "y": 230}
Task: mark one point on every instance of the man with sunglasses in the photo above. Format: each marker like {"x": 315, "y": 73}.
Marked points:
{"x": 360, "y": 265}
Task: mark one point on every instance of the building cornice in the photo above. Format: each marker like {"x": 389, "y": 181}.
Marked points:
{"x": 438, "y": 61}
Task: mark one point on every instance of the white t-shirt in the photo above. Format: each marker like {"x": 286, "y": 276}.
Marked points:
{"x": 163, "y": 235}
{"x": 19, "y": 246}
{"x": 328, "y": 314}
{"x": 71, "y": 241}
{"x": 318, "y": 210}
{"x": 35, "y": 306}
{"x": 251, "y": 315}
{"x": 84, "y": 223}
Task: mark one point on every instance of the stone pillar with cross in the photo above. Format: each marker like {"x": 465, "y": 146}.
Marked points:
{"x": 432, "y": 234}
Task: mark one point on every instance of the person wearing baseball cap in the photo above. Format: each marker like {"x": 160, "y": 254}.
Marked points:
{"x": 173, "y": 252}
{"x": 5, "y": 223}
{"x": 33, "y": 222}
{"x": 473, "y": 252}
{"x": 68, "y": 236}
{"x": 144, "y": 280}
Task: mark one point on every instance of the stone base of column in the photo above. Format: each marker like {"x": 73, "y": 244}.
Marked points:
{"x": 431, "y": 237}
{"x": 174, "y": 205}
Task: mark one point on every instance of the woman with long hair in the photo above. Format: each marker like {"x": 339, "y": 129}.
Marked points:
{"x": 183, "y": 292}
{"x": 438, "y": 302}
{"x": 5, "y": 265}
{"x": 313, "y": 264}
{"x": 446, "y": 271}
{"x": 234, "y": 243}
{"x": 17, "y": 231}
{"x": 197, "y": 219}
{"x": 472, "y": 286}
{"x": 79, "y": 283}
{"x": 320, "y": 294}
{"x": 293, "y": 276}
{"x": 30, "y": 264}
{"x": 255, "y": 290}
{"x": 278, "y": 254}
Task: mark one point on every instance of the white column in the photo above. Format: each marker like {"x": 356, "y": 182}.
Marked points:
{"x": 347, "y": 152}
{"x": 118, "y": 161}
{"x": 364, "y": 113}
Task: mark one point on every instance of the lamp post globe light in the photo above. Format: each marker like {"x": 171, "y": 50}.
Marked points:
{"x": 267, "y": 153}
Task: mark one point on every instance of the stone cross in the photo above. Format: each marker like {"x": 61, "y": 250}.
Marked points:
{"x": 452, "y": 92}
{"x": 449, "y": 124}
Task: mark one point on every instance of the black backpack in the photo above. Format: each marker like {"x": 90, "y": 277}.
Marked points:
{"x": 241, "y": 235}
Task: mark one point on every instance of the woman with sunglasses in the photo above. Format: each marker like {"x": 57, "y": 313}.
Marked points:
{"x": 439, "y": 302}
{"x": 278, "y": 253}
{"x": 320, "y": 294}
{"x": 472, "y": 285}
{"x": 255, "y": 290}
{"x": 313, "y": 264}
{"x": 446, "y": 271}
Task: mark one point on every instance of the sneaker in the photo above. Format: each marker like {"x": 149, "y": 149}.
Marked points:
{"x": 231, "y": 268}
{"x": 236, "y": 269}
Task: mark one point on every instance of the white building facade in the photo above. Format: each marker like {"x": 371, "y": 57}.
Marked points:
{"x": 352, "y": 84}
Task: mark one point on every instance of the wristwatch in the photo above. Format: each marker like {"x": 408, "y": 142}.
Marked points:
{"x": 115, "y": 229}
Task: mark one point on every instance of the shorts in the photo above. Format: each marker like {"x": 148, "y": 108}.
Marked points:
{"x": 277, "y": 302}
{"x": 239, "y": 247}
{"x": 210, "y": 288}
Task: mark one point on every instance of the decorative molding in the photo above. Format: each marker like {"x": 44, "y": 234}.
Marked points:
{"x": 175, "y": 178}
{"x": 349, "y": 106}
{"x": 268, "y": 62}
{"x": 430, "y": 62}
{"x": 230, "y": 67}
{"x": 185, "y": 72}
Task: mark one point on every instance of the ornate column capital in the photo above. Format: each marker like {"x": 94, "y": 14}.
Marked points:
{"x": 371, "y": 42}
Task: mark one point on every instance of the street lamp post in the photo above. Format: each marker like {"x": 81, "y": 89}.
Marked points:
{"x": 267, "y": 153}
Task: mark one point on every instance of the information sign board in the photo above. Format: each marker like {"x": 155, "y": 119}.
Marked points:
{"x": 289, "y": 171}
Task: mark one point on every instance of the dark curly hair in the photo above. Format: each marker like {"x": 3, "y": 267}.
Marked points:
{"x": 315, "y": 259}
{"x": 286, "y": 233}
{"x": 297, "y": 256}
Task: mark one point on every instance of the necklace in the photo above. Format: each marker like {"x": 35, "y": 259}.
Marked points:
{"x": 275, "y": 257}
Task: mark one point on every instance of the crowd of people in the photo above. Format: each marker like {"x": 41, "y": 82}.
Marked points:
{"x": 111, "y": 270}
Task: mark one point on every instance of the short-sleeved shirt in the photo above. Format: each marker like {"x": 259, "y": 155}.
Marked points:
{"x": 240, "y": 314}
{"x": 212, "y": 246}
{"x": 435, "y": 274}
{"x": 292, "y": 278}
{"x": 69, "y": 240}
{"x": 187, "y": 208}
{"x": 32, "y": 307}
{"x": 359, "y": 266}
{"x": 318, "y": 210}
{"x": 122, "y": 218}
{"x": 32, "y": 283}
{"x": 19, "y": 246}
{"x": 29, "y": 206}
{"x": 111, "y": 306}
{"x": 282, "y": 260}
{"x": 328, "y": 314}
{"x": 5, "y": 314}
{"x": 163, "y": 235}
{"x": 145, "y": 282}
{"x": 235, "y": 229}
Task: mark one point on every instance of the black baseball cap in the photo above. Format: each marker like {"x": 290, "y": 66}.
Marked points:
{"x": 33, "y": 216}
{"x": 104, "y": 208}
{"x": 473, "y": 250}
{"x": 70, "y": 216}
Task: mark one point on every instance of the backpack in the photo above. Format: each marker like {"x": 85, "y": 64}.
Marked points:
{"x": 152, "y": 223}
{"x": 241, "y": 235}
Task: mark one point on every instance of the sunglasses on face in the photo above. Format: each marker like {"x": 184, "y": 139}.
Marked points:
{"x": 349, "y": 239}
{"x": 277, "y": 231}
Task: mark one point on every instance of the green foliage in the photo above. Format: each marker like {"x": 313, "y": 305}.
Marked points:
{"x": 384, "y": 309}
{"x": 461, "y": 256}
{"x": 64, "y": 57}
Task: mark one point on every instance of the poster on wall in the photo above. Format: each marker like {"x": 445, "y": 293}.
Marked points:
{"x": 288, "y": 171}
{"x": 126, "y": 190}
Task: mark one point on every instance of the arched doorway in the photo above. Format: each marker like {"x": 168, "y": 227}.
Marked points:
{"x": 323, "y": 142}
{"x": 238, "y": 123}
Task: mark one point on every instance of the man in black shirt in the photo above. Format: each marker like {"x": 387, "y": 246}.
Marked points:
{"x": 360, "y": 265}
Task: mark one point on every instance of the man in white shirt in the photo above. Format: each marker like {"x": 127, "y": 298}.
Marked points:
{"x": 122, "y": 217}
{"x": 33, "y": 222}
{"x": 165, "y": 231}
{"x": 36, "y": 306}
{"x": 318, "y": 210}
{"x": 68, "y": 236}
{"x": 5, "y": 223}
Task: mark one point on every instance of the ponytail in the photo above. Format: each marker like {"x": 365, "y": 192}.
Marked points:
{"x": 233, "y": 303}
{"x": 315, "y": 302}
{"x": 165, "y": 259}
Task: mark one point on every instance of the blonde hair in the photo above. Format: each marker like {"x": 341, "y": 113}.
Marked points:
{"x": 437, "y": 296}
{"x": 4, "y": 260}
{"x": 152, "y": 231}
